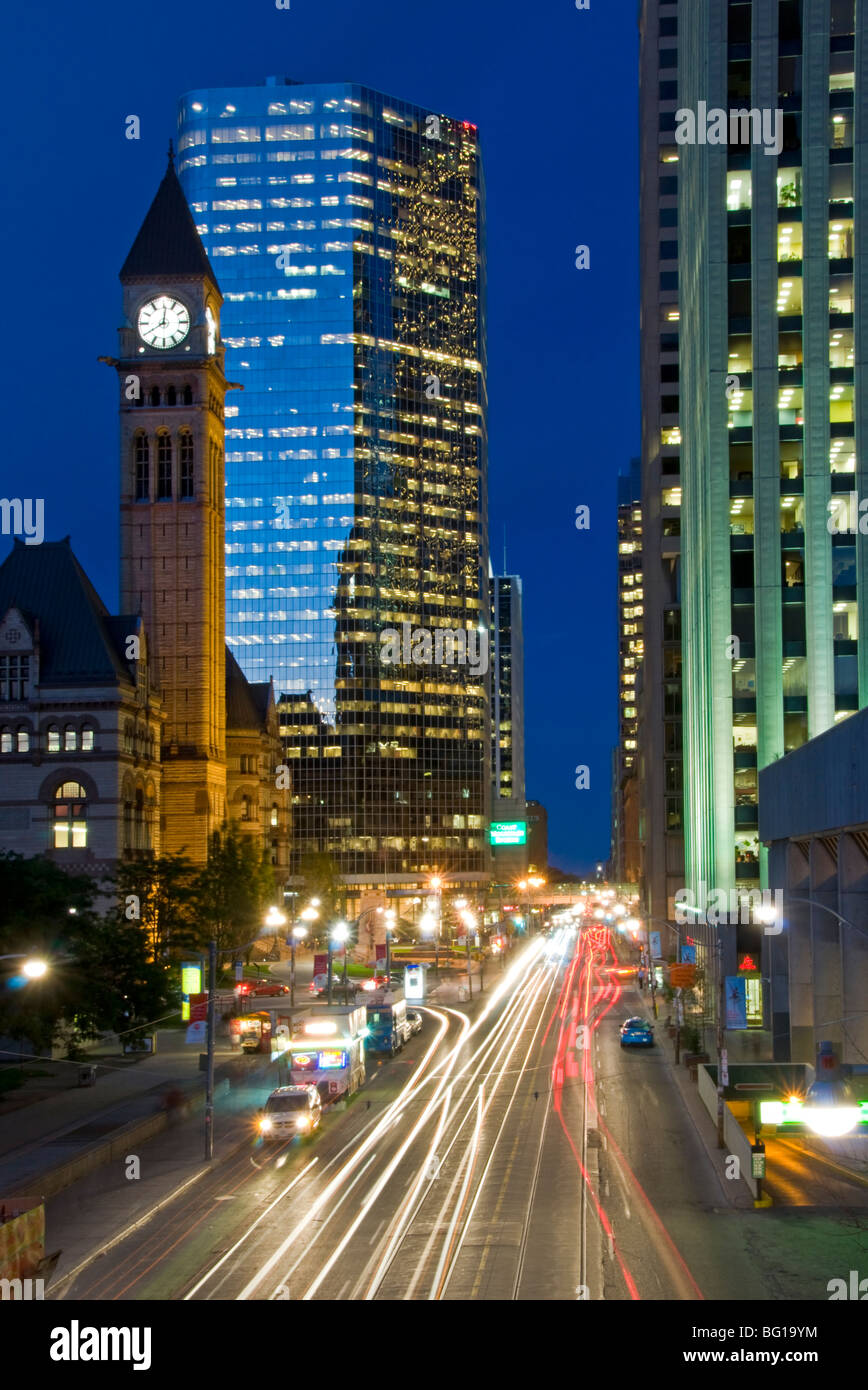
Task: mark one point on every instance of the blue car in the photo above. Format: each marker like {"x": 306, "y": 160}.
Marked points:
{"x": 637, "y": 1032}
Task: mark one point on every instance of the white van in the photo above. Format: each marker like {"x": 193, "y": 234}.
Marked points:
{"x": 291, "y": 1111}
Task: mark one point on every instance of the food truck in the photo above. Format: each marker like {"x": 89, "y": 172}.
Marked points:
{"x": 251, "y": 1032}
{"x": 326, "y": 1049}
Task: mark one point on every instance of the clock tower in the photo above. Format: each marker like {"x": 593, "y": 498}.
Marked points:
{"x": 172, "y": 505}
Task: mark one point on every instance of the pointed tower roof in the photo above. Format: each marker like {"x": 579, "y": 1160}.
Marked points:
{"x": 168, "y": 244}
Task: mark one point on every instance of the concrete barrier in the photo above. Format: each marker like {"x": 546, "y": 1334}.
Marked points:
{"x": 116, "y": 1145}
{"x": 736, "y": 1140}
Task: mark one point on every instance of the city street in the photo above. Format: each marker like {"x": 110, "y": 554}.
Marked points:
{"x": 494, "y": 1159}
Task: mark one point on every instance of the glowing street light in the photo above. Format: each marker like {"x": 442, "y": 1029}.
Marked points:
{"x": 33, "y": 968}
{"x": 296, "y": 936}
{"x": 340, "y": 934}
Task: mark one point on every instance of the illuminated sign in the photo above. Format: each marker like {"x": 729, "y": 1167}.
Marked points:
{"x": 747, "y": 961}
{"x": 304, "y": 1061}
{"x": 414, "y": 983}
{"x": 508, "y": 832}
{"x": 332, "y": 1061}
{"x": 321, "y": 1029}
{"x": 191, "y": 979}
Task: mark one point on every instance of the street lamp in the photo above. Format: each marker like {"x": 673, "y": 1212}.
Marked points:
{"x": 469, "y": 921}
{"x": 274, "y": 920}
{"x": 33, "y": 967}
{"x": 271, "y": 924}
{"x": 297, "y": 935}
{"x": 436, "y": 886}
{"x": 339, "y": 934}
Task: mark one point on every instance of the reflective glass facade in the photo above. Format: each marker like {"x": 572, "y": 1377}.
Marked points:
{"x": 347, "y": 232}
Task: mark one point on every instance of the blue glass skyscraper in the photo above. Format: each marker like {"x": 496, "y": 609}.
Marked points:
{"x": 346, "y": 229}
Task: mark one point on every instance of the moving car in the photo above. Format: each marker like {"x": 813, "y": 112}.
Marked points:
{"x": 291, "y": 1111}
{"x": 261, "y": 987}
{"x": 623, "y": 972}
{"x": 414, "y": 1020}
{"x": 637, "y": 1032}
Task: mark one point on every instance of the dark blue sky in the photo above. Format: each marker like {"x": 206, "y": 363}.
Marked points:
{"x": 553, "y": 91}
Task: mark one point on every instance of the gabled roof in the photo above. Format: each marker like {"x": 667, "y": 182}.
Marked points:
{"x": 168, "y": 243}
{"x": 246, "y": 704}
{"x": 80, "y": 643}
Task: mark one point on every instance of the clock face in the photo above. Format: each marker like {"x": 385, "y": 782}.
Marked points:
{"x": 212, "y": 330}
{"x": 163, "y": 322}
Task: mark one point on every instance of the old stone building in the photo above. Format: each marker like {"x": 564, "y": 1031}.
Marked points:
{"x": 139, "y": 732}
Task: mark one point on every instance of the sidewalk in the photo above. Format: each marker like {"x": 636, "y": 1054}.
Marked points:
{"x": 735, "y": 1194}
{"x": 38, "y": 1139}
{"x": 88, "y": 1219}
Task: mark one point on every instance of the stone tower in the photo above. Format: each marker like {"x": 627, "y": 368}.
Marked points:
{"x": 172, "y": 555}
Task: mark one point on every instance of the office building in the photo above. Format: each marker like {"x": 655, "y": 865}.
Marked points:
{"x": 537, "y": 836}
{"x": 772, "y": 404}
{"x": 508, "y": 802}
{"x": 626, "y": 858}
{"x": 659, "y": 686}
{"x": 348, "y": 231}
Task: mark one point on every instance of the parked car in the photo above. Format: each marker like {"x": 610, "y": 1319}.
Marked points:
{"x": 637, "y": 1032}
{"x": 414, "y": 1020}
{"x": 291, "y": 1111}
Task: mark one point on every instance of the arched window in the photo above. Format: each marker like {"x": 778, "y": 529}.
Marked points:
{"x": 164, "y": 467}
{"x": 69, "y": 739}
{"x": 23, "y": 739}
{"x": 53, "y": 739}
{"x": 128, "y": 825}
{"x": 171, "y": 396}
{"x": 128, "y": 737}
{"x": 139, "y": 829}
{"x": 5, "y": 740}
{"x": 155, "y": 395}
{"x": 142, "y": 458}
{"x": 274, "y": 817}
{"x": 245, "y": 808}
{"x": 185, "y": 460}
{"x": 188, "y": 395}
{"x": 87, "y": 739}
{"x": 70, "y": 816}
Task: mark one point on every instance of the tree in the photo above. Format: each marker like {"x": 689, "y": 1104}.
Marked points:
{"x": 322, "y": 880}
{"x": 160, "y": 893}
{"x": 101, "y": 974}
{"x": 233, "y": 891}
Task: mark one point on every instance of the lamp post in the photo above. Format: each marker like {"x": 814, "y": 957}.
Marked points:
{"x": 436, "y": 886}
{"x": 390, "y": 927}
{"x": 298, "y": 934}
{"x": 469, "y": 921}
{"x": 340, "y": 933}
{"x": 271, "y": 924}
